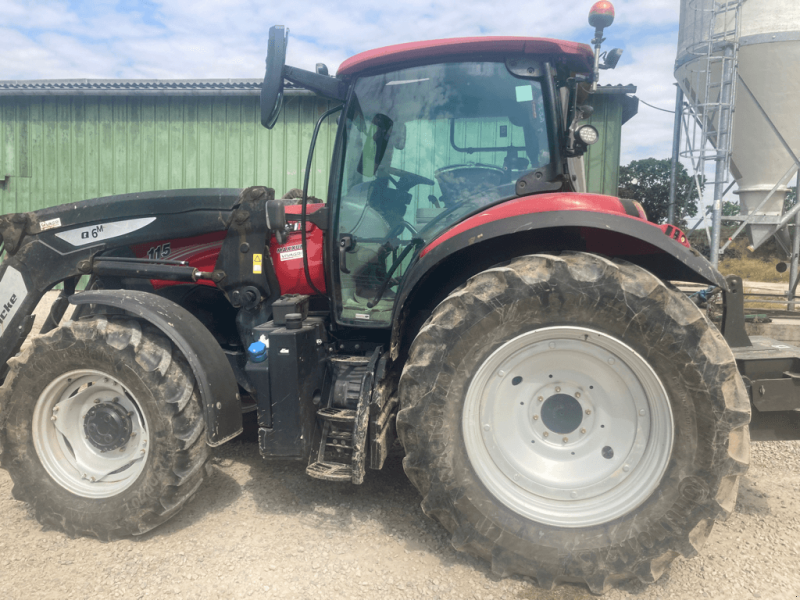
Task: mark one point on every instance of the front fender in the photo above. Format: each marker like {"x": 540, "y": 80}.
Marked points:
{"x": 215, "y": 378}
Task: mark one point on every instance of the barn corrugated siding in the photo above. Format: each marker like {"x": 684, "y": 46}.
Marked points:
{"x": 58, "y": 149}
{"x": 602, "y": 159}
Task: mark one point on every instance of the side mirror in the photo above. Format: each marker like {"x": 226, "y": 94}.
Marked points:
{"x": 272, "y": 88}
{"x": 611, "y": 58}
{"x": 276, "y": 219}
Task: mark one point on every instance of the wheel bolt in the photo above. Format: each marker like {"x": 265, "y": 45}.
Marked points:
{"x": 588, "y": 412}
{"x": 565, "y": 440}
{"x": 97, "y": 400}
{"x": 55, "y": 408}
{"x": 546, "y": 434}
{"x": 583, "y": 430}
{"x": 558, "y": 389}
{"x": 577, "y": 394}
{"x": 133, "y": 435}
{"x": 541, "y": 398}
{"x": 122, "y": 449}
{"x": 53, "y": 418}
{"x": 535, "y": 417}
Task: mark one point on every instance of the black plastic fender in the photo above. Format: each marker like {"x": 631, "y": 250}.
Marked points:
{"x": 451, "y": 259}
{"x": 215, "y": 378}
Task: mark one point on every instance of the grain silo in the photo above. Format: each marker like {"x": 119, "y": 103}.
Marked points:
{"x": 740, "y": 59}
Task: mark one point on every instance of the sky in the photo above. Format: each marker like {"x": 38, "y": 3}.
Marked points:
{"x": 183, "y": 39}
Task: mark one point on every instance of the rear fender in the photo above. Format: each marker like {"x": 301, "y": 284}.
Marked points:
{"x": 215, "y": 378}
{"x": 482, "y": 241}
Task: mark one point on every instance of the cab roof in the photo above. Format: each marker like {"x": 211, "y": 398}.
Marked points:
{"x": 578, "y": 57}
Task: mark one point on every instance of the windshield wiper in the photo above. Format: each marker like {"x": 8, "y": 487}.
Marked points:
{"x": 416, "y": 243}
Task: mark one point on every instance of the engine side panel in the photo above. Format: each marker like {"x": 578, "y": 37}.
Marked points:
{"x": 201, "y": 252}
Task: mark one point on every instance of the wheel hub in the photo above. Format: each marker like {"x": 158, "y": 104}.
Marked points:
{"x": 107, "y": 426}
{"x": 562, "y": 413}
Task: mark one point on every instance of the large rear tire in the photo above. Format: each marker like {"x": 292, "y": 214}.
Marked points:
{"x": 103, "y": 430}
{"x": 575, "y": 419}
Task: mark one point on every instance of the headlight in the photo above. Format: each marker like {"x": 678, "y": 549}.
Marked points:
{"x": 588, "y": 135}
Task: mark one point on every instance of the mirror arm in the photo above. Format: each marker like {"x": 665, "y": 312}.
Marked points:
{"x": 324, "y": 85}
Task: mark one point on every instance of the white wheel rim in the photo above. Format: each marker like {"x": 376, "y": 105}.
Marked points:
{"x": 87, "y": 460}
{"x": 518, "y": 419}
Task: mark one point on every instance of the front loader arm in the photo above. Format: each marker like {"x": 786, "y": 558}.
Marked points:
{"x": 54, "y": 245}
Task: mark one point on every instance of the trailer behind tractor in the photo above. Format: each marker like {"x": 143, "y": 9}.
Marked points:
{"x": 565, "y": 412}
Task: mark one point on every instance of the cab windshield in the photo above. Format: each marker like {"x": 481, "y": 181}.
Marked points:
{"x": 424, "y": 147}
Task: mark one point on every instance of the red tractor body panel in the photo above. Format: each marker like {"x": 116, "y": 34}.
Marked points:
{"x": 578, "y": 57}
{"x": 287, "y": 258}
{"x": 201, "y": 252}
{"x": 546, "y": 203}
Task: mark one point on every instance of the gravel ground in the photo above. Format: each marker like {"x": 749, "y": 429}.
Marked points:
{"x": 265, "y": 529}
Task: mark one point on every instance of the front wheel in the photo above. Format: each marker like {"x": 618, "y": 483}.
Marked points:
{"x": 571, "y": 418}
{"x": 103, "y": 431}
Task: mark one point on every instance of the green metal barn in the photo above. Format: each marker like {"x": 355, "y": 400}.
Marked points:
{"x": 68, "y": 140}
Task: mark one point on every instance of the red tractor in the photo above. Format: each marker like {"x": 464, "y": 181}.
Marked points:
{"x": 565, "y": 412}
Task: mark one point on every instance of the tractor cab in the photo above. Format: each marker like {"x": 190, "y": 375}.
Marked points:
{"x": 429, "y": 134}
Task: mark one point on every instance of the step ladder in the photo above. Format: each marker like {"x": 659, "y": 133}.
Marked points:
{"x": 341, "y": 454}
{"x": 333, "y": 461}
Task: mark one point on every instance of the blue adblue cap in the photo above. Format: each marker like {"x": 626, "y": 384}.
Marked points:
{"x": 257, "y": 352}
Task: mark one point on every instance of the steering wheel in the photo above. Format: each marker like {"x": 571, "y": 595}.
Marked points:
{"x": 408, "y": 180}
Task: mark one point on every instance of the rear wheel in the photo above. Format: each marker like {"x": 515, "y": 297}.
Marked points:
{"x": 573, "y": 419}
{"x": 103, "y": 430}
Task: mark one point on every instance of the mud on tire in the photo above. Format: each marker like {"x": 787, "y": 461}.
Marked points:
{"x": 622, "y": 304}
{"x": 161, "y": 400}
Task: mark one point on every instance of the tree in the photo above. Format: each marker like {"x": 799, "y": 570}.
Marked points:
{"x": 791, "y": 199}
{"x": 729, "y": 208}
{"x": 647, "y": 181}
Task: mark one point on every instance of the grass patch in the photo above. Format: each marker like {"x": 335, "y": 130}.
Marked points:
{"x": 754, "y": 267}
{"x": 738, "y": 260}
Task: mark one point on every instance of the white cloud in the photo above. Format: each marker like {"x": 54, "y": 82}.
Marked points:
{"x": 227, "y": 38}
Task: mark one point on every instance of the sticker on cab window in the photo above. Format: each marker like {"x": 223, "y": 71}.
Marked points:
{"x": 524, "y": 93}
